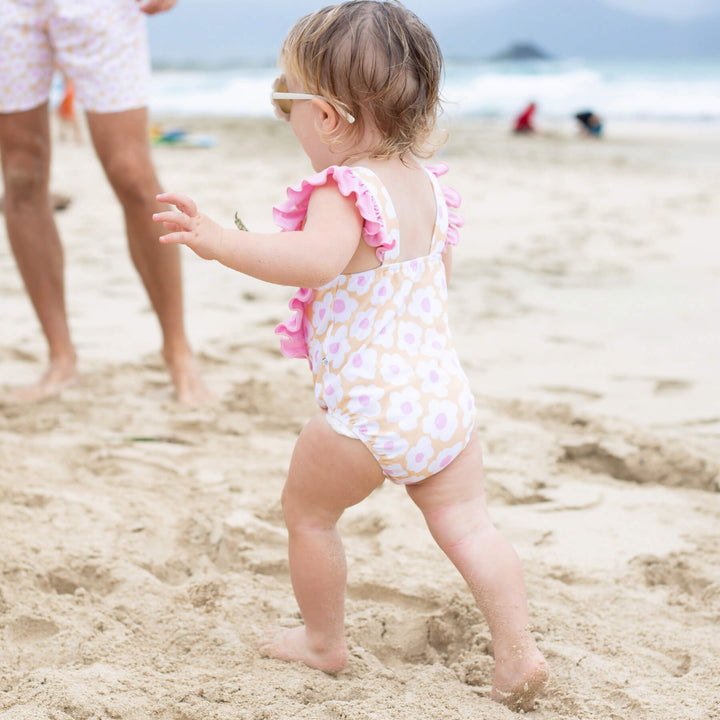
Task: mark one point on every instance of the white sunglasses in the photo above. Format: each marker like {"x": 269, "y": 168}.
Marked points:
{"x": 282, "y": 100}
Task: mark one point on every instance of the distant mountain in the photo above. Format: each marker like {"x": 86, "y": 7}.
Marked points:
{"x": 521, "y": 51}
{"x": 217, "y": 32}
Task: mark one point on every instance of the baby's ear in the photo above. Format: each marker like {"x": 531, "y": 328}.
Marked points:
{"x": 328, "y": 117}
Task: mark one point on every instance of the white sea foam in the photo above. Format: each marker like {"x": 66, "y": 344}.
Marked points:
{"x": 623, "y": 91}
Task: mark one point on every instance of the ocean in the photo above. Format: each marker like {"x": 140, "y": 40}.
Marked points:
{"x": 617, "y": 90}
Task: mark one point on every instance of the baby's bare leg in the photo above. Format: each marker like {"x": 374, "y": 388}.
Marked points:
{"x": 453, "y": 503}
{"x": 328, "y": 473}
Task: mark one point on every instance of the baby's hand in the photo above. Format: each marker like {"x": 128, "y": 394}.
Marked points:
{"x": 189, "y": 227}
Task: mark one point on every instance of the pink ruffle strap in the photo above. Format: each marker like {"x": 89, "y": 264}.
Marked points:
{"x": 452, "y": 198}
{"x": 290, "y": 215}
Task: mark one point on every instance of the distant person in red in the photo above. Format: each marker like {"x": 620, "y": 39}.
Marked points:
{"x": 66, "y": 113}
{"x": 524, "y": 121}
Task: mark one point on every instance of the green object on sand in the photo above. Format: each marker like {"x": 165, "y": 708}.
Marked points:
{"x": 240, "y": 224}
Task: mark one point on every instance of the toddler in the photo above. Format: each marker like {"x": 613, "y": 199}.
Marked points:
{"x": 368, "y": 240}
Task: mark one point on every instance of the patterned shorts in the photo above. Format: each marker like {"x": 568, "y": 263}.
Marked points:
{"x": 100, "y": 45}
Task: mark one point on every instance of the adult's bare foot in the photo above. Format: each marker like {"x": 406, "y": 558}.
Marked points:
{"x": 190, "y": 388}
{"x": 293, "y": 645}
{"x": 61, "y": 374}
{"x": 520, "y": 692}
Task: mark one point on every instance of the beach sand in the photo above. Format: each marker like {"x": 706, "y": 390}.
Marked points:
{"x": 143, "y": 550}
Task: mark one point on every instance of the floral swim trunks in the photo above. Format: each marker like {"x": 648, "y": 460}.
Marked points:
{"x": 101, "y": 46}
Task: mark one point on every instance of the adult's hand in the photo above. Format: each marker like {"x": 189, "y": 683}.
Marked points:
{"x": 150, "y": 7}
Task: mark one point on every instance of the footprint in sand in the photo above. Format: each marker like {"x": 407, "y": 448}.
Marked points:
{"x": 27, "y": 628}
{"x": 644, "y": 460}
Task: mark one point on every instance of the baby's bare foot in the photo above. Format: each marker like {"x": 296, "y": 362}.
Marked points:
{"x": 293, "y": 645}
{"x": 521, "y": 692}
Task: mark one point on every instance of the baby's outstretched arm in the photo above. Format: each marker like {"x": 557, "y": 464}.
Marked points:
{"x": 309, "y": 257}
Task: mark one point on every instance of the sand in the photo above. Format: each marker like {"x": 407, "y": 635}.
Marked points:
{"x": 142, "y": 548}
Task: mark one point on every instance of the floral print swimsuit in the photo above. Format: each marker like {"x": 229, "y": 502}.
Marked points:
{"x": 378, "y": 341}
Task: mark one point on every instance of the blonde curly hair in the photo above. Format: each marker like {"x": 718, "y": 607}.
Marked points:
{"x": 377, "y": 61}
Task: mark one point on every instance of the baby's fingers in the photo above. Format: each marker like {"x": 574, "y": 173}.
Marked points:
{"x": 173, "y": 220}
{"x": 177, "y": 238}
{"x": 181, "y": 202}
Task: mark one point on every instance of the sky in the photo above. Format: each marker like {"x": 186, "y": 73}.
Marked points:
{"x": 672, "y": 9}
{"x": 215, "y": 32}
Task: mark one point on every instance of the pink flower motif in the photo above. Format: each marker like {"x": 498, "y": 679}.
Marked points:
{"x": 367, "y": 429}
{"x": 321, "y": 312}
{"x": 343, "y": 306}
{"x": 418, "y": 456}
{"x": 413, "y": 269}
{"x": 363, "y": 324}
{"x": 445, "y": 457}
{"x": 466, "y": 403}
{"x": 390, "y": 445}
{"x": 405, "y": 408}
{"x": 385, "y": 330}
{"x": 361, "y": 364}
{"x": 395, "y": 471}
{"x": 395, "y": 369}
{"x": 360, "y": 283}
{"x": 425, "y": 305}
{"x": 434, "y": 343}
{"x": 332, "y": 390}
{"x": 435, "y": 379}
{"x": 441, "y": 420}
{"x": 382, "y": 292}
{"x": 364, "y": 401}
{"x": 409, "y": 337}
{"x": 337, "y": 347}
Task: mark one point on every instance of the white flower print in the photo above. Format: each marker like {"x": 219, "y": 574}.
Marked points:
{"x": 332, "y": 390}
{"x": 410, "y": 337}
{"x": 405, "y": 408}
{"x": 337, "y": 347}
{"x": 361, "y": 364}
{"x": 466, "y": 403}
{"x": 315, "y": 355}
{"x": 382, "y": 292}
{"x": 342, "y": 419}
{"x": 440, "y": 280}
{"x": 418, "y": 457}
{"x": 367, "y": 429}
{"x": 360, "y": 283}
{"x": 441, "y": 420}
{"x": 434, "y": 378}
{"x": 321, "y": 311}
{"x": 434, "y": 343}
{"x": 445, "y": 457}
{"x": 395, "y": 369}
{"x": 425, "y": 305}
{"x": 385, "y": 336}
{"x": 343, "y": 306}
{"x": 390, "y": 445}
{"x": 365, "y": 401}
{"x": 413, "y": 269}
{"x": 363, "y": 324}
{"x": 401, "y": 295}
{"x": 395, "y": 471}
{"x": 319, "y": 395}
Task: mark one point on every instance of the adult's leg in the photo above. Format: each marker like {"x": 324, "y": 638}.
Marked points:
{"x": 453, "y": 503}
{"x": 34, "y": 239}
{"x": 121, "y": 142}
{"x": 328, "y": 473}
